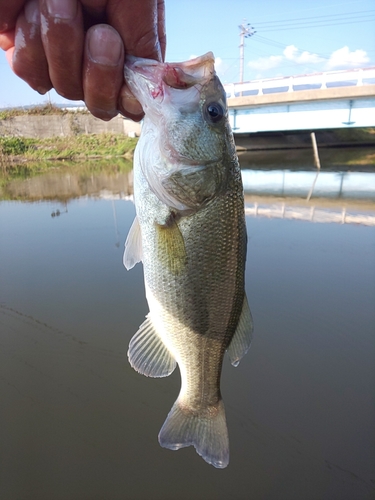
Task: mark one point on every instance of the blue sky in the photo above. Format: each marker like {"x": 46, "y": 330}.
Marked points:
{"x": 291, "y": 38}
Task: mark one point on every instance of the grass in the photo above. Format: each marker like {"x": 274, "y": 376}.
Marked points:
{"x": 15, "y": 150}
{"x": 354, "y": 135}
{"x": 12, "y": 146}
{"x": 45, "y": 109}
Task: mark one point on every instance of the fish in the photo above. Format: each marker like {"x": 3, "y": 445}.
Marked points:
{"x": 190, "y": 234}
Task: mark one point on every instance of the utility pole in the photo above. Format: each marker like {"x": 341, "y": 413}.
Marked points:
{"x": 246, "y": 31}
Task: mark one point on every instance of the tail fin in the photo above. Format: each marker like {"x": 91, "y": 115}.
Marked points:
{"x": 208, "y": 433}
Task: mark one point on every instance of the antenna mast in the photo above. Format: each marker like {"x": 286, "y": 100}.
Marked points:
{"x": 246, "y": 31}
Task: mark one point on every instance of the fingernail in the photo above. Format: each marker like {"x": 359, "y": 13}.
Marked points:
{"x": 104, "y": 45}
{"x": 130, "y": 103}
{"x": 103, "y": 114}
{"x": 32, "y": 12}
{"x": 42, "y": 90}
{"x": 62, "y": 9}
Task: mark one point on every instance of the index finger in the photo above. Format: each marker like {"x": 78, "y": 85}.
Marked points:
{"x": 139, "y": 25}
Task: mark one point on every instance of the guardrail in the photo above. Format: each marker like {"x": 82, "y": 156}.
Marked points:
{"x": 355, "y": 77}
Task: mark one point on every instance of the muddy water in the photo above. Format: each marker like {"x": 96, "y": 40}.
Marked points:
{"x": 78, "y": 423}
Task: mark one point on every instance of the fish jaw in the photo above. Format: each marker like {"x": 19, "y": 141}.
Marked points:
{"x": 152, "y": 82}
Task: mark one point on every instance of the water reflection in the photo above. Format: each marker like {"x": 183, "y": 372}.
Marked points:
{"x": 57, "y": 213}
{"x": 78, "y": 422}
{"x": 276, "y": 182}
{"x": 288, "y": 183}
{"x": 63, "y": 183}
{"x": 290, "y": 189}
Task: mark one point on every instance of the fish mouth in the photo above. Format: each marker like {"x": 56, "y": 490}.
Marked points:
{"x": 189, "y": 73}
{"x": 158, "y": 76}
{"x": 176, "y": 78}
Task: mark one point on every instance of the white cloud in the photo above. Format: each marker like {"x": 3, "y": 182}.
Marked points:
{"x": 265, "y": 63}
{"x": 309, "y": 58}
{"x": 292, "y": 53}
{"x": 342, "y": 58}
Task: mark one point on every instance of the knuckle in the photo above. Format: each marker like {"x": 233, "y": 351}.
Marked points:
{"x": 148, "y": 45}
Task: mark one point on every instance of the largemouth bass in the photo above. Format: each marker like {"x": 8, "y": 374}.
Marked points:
{"x": 190, "y": 234}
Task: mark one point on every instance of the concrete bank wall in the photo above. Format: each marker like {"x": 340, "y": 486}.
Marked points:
{"x": 302, "y": 139}
{"x": 65, "y": 125}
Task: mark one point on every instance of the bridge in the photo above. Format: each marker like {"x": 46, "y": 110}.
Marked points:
{"x": 329, "y": 100}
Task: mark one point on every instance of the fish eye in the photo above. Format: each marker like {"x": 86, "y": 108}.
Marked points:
{"x": 214, "y": 112}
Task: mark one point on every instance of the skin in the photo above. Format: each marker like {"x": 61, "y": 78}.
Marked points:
{"x": 78, "y": 47}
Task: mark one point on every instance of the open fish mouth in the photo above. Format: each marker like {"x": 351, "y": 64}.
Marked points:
{"x": 157, "y": 76}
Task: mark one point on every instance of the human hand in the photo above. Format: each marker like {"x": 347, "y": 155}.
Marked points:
{"x": 47, "y": 45}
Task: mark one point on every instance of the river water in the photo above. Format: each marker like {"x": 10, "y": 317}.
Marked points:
{"x": 77, "y": 422}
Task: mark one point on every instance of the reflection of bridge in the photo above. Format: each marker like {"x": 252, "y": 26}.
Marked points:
{"x": 311, "y": 213}
{"x": 320, "y": 101}
{"x": 328, "y": 185}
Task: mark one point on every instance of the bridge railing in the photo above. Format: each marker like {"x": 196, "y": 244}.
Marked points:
{"x": 355, "y": 77}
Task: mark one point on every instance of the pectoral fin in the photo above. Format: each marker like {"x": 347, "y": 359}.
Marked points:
{"x": 171, "y": 246}
{"x": 133, "y": 246}
{"x": 147, "y": 353}
{"x": 241, "y": 340}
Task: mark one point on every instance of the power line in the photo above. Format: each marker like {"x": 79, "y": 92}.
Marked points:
{"x": 310, "y": 24}
{"x": 273, "y": 43}
{"x": 313, "y": 19}
{"x": 301, "y": 26}
{"x": 268, "y": 41}
{"x": 339, "y": 11}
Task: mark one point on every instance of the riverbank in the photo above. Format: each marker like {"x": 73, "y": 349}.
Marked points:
{"x": 301, "y": 139}
{"x": 42, "y": 122}
{"x": 19, "y": 150}
{"x": 48, "y": 133}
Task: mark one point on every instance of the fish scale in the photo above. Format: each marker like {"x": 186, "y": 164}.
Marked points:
{"x": 190, "y": 235}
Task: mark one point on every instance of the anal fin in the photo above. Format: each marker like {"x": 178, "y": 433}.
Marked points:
{"x": 147, "y": 353}
{"x": 241, "y": 340}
